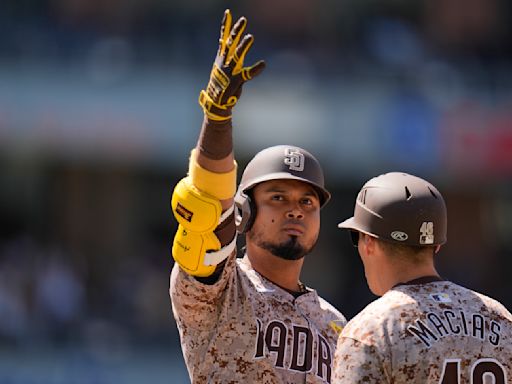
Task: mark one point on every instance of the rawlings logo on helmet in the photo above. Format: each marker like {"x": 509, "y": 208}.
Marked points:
{"x": 399, "y": 235}
{"x": 294, "y": 159}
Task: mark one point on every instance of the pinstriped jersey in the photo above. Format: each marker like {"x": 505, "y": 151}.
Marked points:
{"x": 437, "y": 332}
{"x": 245, "y": 329}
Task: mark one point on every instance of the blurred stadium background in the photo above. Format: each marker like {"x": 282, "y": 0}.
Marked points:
{"x": 98, "y": 112}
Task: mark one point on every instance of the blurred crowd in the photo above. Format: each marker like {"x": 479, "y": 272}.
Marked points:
{"x": 71, "y": 270}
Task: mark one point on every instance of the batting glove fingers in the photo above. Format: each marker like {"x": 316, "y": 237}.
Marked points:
{"x": 228, "y": 73}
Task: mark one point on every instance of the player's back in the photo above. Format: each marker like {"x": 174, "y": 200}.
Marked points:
{"x": 436, "y": 332}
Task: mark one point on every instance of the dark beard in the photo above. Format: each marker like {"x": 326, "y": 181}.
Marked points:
{"x": 288, "y": 250}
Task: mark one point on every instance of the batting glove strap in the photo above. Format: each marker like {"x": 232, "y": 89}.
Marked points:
{"x": 214, "y": 111}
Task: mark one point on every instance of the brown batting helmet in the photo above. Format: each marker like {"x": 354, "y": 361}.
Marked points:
{"x": 400, "y": 208}
{"x": 274, "y": 163}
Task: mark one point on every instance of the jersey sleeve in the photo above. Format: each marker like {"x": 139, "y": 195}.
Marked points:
{"x": 356, "y": 362}
{"x": 197, "y": 305}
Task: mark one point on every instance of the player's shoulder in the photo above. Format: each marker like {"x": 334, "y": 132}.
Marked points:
{"x": 432, "y": 295}
{"x": 494, "y": 305}
{"x": 469, "y": 297}
{"x": 329, "y": 308}
{"x": 387, "y": 313}
{"x": 379, "y": 314}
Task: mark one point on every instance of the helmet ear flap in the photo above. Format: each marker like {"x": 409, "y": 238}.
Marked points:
{"x": 245, "y": 212}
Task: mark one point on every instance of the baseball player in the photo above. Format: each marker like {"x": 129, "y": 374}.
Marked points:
{"x": 248, "y": 319}
{"x": 423, "y": 329}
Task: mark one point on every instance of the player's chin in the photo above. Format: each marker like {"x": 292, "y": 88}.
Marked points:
{"x": 298, "y": 241}
{"x": 288, "y": 238}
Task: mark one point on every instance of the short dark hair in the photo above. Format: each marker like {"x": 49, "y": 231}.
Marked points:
{"x": 410, "y": 253}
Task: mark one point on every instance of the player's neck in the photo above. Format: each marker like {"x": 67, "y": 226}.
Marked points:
{"x": 404, "y": 275}
{"x": 284, "y": 273}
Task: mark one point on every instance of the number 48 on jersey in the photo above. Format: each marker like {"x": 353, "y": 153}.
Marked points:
{"x": 482, "y": 371}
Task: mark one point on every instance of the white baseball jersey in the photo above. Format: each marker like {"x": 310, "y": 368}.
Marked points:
{"x": 245, "y": 329}
{"x": 436, "y": 332}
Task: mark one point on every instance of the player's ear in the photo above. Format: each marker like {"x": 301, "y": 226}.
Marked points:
{"x": 370, "y": 243}
{"x": 363, "y": 237}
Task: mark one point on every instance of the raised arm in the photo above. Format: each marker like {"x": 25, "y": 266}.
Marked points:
{"x": 202, "y": 202}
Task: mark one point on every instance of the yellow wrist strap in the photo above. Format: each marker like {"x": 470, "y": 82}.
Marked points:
{"x": 213, "y": 110}
{"x": 220, "y": 185}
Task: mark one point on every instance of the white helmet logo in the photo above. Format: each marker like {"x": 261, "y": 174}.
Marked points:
{"x": 399, "y": 235}
{"x": 294, "y": 159}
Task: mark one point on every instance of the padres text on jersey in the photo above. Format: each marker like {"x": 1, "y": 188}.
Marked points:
{"x": 245, "y": 329}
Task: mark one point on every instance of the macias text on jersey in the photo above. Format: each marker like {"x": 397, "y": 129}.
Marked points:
{"x": 455, "y": 323}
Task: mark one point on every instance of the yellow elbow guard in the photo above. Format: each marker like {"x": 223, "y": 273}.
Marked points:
{"x": 189, "y": 250}
{"x": 194, "y": 209}
{"x": 195, "y": 247}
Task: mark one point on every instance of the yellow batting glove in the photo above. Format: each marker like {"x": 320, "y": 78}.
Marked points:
{"x": 228, "y": 73}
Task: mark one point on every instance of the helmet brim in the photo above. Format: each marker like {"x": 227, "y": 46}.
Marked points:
{"x": 324, "y": 195}
{"x": 351, "y": 225}
{"x": 348, "y": 224}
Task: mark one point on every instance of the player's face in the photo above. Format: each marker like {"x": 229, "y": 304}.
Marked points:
{"x": 287, "y": 218}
